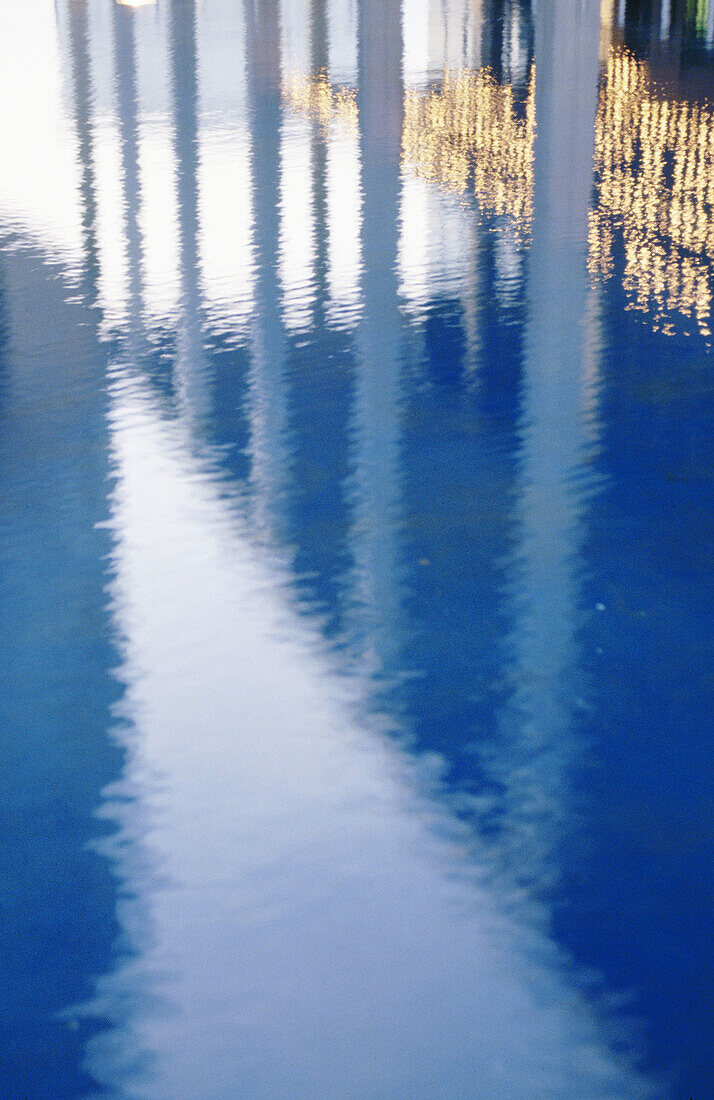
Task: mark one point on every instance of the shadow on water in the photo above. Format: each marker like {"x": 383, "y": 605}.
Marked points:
{"x": 354, "y": 586}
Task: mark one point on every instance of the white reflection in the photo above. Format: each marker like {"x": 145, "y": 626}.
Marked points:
{"x": 376, "y": 427}
{"x": 226, "y": 223}
{"x": 664, "y": 21}
{"x": 415, "y": 58}
{"x": 226, "y": 212}
{"x": 267, "y": 405}
{"x": 113, "y": 282}
{"x": 123, "y": 98}
{"x": 414, "y": 268}
{"x": 437, "y": 242}
{"x": 190, "y": 367}
{"x": 344, "y": 210}
{"x": 101, "y": 34}
{"x": 515, "y": 55}
{"x": 160, "y": 252}
{"x": 221, "y": 51}
{"x": 509, "y": 263}
{"x": 158, "y": 213}
{"x": 440, "y": 35}
{"x": 36, "y": 133}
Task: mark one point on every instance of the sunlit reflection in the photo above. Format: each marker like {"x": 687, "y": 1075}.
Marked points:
{"x": 655, "y": 173}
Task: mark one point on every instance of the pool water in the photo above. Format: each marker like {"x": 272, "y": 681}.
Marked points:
{"x": 356, "y": 511}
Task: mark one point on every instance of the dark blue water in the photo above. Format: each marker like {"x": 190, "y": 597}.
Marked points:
{"x": 356, "y": 499}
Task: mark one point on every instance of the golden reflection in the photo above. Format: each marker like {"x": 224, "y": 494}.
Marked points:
{"x": 464, "y": 135}
{"x": 467, "y": 135}
{"x": 654, "y": 160}
{"x": 654, "y": 163}
{"x": 318, "y": 99}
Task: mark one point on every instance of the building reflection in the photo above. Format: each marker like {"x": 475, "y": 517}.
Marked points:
{"x": 655, "y": 190}
{"x": 653, "y": 153}
{"x": 469, "y": 136}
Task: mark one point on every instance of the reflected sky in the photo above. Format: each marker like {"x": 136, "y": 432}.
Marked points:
{"x": 355, "y": 436}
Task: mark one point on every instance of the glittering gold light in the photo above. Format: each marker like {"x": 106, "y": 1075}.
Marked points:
{"x": 316, "y": 97}
{"x": 466, "y": 134}
{"x": 654, "y": 165}
{"x": 654, "y": 162}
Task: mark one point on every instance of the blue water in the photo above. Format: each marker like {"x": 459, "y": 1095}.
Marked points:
{"x": 356, "y": 499}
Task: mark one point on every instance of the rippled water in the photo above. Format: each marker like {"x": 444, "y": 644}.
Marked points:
{"x": 355, "y": 549}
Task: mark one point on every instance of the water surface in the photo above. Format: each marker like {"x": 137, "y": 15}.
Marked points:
{"x": 355, "y": 557}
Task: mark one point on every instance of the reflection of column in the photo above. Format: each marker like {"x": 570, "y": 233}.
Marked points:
{"x": 665, "y": 19}
{"x": 125, "y": 61}
{"x": 268, "y": 401}
{"x": 455, "y": 30}
{"x": 607, "y": 28}
{"x": 319, "y": 67}
{"x": 190, "y": 370}
{"x": 81, "y": 98}
{"x": 376, "y": 428}
{"x": 553, "y": 437}
{"x": 514, "y": 55}
{"x": 470, "y": 299}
